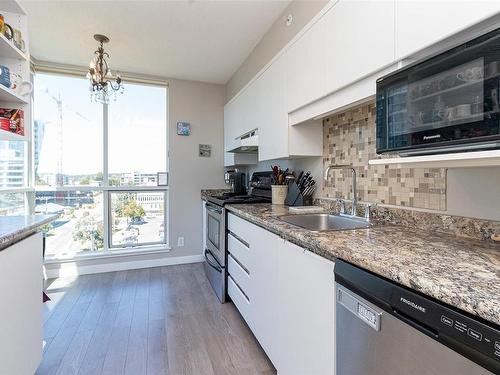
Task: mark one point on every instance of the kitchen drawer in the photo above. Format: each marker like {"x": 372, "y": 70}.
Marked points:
{"x": 240, "y": 300}
{"x": 240, "y": 227}
{"x": 239, "y": 250}
{"x": 239, "y": 275}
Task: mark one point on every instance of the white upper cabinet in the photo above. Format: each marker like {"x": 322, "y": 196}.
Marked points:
{"x": 420, "y": 24}
{"x": 239, "y": 118}
{"x": 359, "y": 40}
{"x": 334, "y": 63}
{"x": 306, "y": 67}
{"x": 245, "y": 110}
{"x": 230, "y": 126}
{"x": 271, "y": 112}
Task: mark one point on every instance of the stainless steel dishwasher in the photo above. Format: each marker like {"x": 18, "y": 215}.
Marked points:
{"x": 385, "y": 329}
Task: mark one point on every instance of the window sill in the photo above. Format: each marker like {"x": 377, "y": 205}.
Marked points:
{"x": 112, "y": 254}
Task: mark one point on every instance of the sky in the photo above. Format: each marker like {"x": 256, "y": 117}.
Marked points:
{"x": 137, "y": 127}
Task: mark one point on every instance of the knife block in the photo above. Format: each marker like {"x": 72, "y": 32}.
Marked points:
{"x": 295, "y": 197}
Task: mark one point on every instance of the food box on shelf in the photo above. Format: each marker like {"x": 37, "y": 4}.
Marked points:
{"x": 12, "y": 120}
{"x": 5, "y": 76}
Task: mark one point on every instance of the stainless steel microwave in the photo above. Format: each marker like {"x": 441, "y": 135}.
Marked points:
{"x": 446, "y": 103}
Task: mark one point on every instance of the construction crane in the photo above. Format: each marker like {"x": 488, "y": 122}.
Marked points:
{"x": 60, "y": 105}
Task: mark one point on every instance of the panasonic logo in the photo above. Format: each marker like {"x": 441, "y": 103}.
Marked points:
{"x": 412, "y": 304}
{"x": 427, "y": 137}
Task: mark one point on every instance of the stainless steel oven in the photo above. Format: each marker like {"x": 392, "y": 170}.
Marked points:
{"x": 216, "y": 236}
{"x": 215, "y": 257}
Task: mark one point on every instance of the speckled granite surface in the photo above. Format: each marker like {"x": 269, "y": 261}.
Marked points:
{"x": 15, "y": 228}
{"x": 461, "y": 272}
{"x": 211, "y": 192}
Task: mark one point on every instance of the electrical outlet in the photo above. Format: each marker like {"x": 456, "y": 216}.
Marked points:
{"x": 180, "y": 241}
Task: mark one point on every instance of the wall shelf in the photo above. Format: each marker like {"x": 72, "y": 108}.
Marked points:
{"x": 8, "y": 49}
{"x": 489, "y": 158}
{"x": 7, "y": 95}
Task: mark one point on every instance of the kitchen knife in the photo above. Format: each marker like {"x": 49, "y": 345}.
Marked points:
{"x": 309, "y": 188}
{"x": 301, "y": 185}
{"x": 306, "y": 182}
{"x": 300, "y": 177}
{"x": 310, "y": 183}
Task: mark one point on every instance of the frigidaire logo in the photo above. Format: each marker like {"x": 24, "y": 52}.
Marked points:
{"x": 427, "y": 137}
{"x": 412, "y": 304}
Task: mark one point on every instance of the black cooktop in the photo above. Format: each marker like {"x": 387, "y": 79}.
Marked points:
{"x": 231, "y": 198}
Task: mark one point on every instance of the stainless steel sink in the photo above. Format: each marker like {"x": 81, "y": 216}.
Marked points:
{"x": 325, "y": 222}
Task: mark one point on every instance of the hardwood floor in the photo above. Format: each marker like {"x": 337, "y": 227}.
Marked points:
{"x": 163, "y": 320}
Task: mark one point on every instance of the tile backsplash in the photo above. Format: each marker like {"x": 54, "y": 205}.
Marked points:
{"x": 349, "y": 138}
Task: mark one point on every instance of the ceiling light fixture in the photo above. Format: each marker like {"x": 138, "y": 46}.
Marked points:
{"x": 102, "y": 86}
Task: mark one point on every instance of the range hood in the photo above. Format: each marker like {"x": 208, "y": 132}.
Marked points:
{"x": 247, "y": 143}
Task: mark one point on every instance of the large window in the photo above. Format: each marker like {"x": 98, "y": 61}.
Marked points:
{"x": 68, "y": 133}
{"x": 97, "y": 166}
{"x": 137, "y": 137}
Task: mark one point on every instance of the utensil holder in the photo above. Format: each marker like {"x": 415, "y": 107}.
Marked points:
{"x": 279, "y": 193}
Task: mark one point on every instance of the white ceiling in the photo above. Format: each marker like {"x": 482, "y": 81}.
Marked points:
{"x": 196, "y": 40}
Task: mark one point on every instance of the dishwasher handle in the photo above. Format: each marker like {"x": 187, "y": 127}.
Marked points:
{"x": 403, "y": 317}
{"x": 358, "y": 308}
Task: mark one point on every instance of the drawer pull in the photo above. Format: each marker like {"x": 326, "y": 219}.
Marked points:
{"x": 241, "y": 265}
{"x": 243, "y": 242}
{"x": 239, "y": 289}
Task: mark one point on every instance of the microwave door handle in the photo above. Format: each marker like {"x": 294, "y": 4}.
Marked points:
{"x": 210, "y": 263}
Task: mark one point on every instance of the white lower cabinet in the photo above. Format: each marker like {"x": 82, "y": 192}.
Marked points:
{"x": 290, "y": 301}
{"x": 21, "y": 285}
{"x": 306, "y": 298}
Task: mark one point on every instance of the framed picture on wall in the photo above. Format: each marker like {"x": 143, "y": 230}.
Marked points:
{"x": 183, "y": 128}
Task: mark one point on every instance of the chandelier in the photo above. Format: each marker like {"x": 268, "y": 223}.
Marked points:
{"x": 102, "y": 84}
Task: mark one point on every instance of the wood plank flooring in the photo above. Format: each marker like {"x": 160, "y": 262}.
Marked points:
{"x": 164, "y": 320}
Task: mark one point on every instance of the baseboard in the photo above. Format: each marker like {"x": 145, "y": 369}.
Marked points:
{"x": 74, "y": 269}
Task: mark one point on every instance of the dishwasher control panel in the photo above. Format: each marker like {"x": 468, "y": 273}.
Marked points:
{"x": 367, "y": 314}
{"x": 444, "y": 321}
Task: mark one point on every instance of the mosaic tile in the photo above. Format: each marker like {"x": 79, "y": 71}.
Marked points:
{"x": 349, "y": 138}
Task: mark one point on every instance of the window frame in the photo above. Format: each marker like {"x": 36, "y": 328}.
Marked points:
{"x": 105, "y": 188}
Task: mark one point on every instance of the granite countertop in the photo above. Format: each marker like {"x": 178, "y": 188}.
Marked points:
{"x": 15, "y": 228}
{"x": 205, "y": 193}
{"x": 461, "y": 272}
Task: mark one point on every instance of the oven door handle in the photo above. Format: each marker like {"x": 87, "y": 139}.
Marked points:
{"x": 211, "y": 207}
{"x": 210, "y": 263}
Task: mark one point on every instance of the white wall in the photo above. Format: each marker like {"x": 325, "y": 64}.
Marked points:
{"x": 278, "y": 35}
{"x": 312, "y": 164}
{"x": 474, "y": 192}
{"x": 201, "y": 105}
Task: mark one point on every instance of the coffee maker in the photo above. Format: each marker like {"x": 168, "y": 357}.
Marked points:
{"x": 237, "y": 180}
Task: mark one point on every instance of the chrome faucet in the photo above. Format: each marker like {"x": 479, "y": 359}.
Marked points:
{"x": 354, "y": 200}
